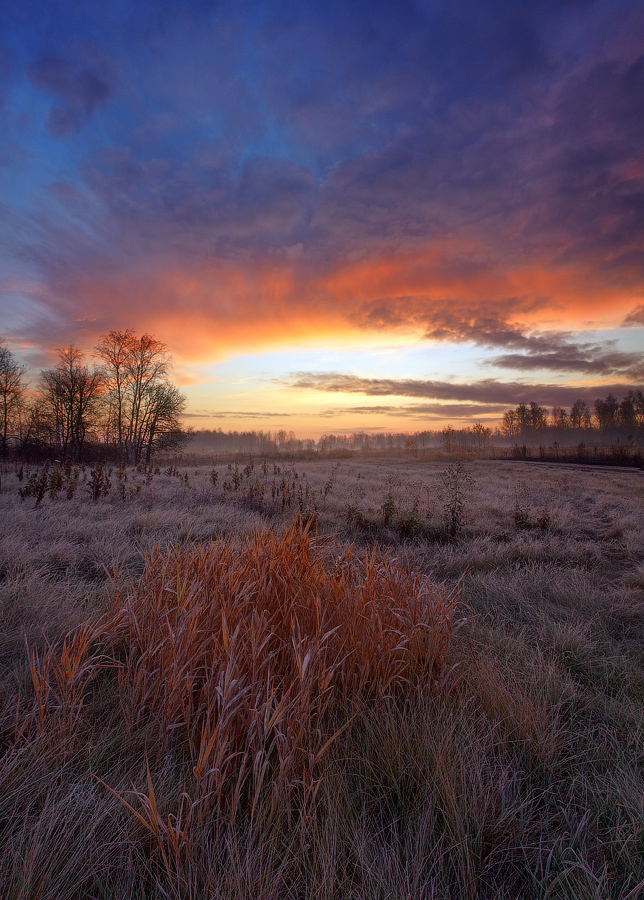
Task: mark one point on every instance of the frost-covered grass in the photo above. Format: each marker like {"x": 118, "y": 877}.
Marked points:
{"x": 394, "y": 703}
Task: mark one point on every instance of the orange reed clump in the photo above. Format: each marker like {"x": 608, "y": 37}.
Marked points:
{"x": 253, "y": 656}
{"x": 244, "y": 651}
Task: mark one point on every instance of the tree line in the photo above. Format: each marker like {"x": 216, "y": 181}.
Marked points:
{"x": 122, "y": 405}
{"x": 608, "y": 416}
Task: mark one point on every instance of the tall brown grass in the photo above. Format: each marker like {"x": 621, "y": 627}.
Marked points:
{"x": 251, "y": 659}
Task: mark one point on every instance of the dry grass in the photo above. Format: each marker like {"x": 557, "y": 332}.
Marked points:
{"x": 249, "y": 660}
{"x": 247, "y": 709}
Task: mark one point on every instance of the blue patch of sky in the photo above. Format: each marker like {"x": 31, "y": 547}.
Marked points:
{"x": 417, "y": 361}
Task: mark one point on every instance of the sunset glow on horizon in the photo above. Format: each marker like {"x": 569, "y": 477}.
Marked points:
{"x": 339, "y": 217}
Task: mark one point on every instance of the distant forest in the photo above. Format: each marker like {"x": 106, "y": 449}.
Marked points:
{"x": 609, "y": 421}
{"x": 122, "y": 406}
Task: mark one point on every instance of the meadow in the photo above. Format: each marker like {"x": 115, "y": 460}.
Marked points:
{"x": 324, "y": 678}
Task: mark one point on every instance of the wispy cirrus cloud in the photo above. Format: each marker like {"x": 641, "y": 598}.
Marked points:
{"x": 241, "y": 180}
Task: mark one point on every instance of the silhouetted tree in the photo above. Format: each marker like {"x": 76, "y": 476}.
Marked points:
{"x": 627, "y": 413}
{"x": 144, "y": 407}
{"x": 481, "y": 436}
{"x": 12, "y": 395}
{"x": 639, "y": 409}
{"x": 509, "y": 424}
{"x": 580, "y": 415}
{"x": 606, "y": 412}
{"x": 69, "y": 404}
{"x": 161, "y": 428}
{"x": 538, "y": 417}
{"x": 560, "y": 417}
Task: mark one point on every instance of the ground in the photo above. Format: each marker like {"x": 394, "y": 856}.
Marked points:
{"x": 520, "y": 773}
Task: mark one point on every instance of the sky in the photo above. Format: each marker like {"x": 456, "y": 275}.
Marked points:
{"x": 339, "y": 216}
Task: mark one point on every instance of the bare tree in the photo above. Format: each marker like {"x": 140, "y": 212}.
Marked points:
{"x": 509, "y": 425}
{"x": 12, "y": 395}
{"x": 114, "y": 349}
{"x": 144, "y": 407}
{"x": 560, "y": 418}
{"x": 580, "y": 415}
{"x": 639, "y": 409}
{"x": 162, "y": 427}
{"x": 606, "y": 412}
{"x": 69, "y": 403}
{"x": 481, "y": 435}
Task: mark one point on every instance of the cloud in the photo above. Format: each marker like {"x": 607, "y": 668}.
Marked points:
{"x": 437, "y": 411}
{"x": 6, "y": 70}
{"x": 484, "y": 391}
{"x": 242, "y": 414}
{"x": 431, "y": 169}
{"x": 591, "y": 359}
{"x": 635, "y": 318}
{"x": 554, "y": 350}
{"x": 80, "y": 90}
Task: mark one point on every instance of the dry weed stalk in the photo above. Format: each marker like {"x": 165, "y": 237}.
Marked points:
{"x": 59, "y": 680}
{"x": 172, "y": 837}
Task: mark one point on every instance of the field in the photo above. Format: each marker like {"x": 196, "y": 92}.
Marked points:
{"x": 356, "y": 678}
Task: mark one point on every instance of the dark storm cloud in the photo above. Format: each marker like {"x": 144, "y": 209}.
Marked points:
{"x": 79, "y": 89}
{"x": 488, "y": 391}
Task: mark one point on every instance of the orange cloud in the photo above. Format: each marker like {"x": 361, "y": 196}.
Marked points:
{"x": 214, "y": 310}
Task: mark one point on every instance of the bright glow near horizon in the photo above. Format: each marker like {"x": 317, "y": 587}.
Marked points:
{"x": 339, "y": 218}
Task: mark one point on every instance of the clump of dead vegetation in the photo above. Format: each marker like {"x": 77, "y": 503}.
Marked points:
{"x": 246, "y": 660}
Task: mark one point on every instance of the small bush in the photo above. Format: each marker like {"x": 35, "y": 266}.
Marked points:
{"x": 37, "y": 485}
{"x": 388, "y": 508}
{"x": 99, "y": 483}
{"x": 357, "y": 517}
{"x": 409, "y": 524}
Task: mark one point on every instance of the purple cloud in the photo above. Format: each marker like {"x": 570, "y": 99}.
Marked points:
{"x": 485, "y": 391}
{"x": 80, "y": 91}
{"x": 635, "y": 318}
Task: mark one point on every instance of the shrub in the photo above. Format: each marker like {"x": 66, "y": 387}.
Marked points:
{"x": 388, "y": 508}
{"x": 37, "y": 485}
